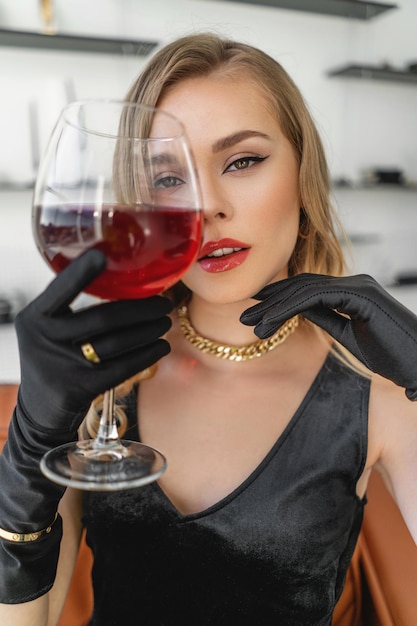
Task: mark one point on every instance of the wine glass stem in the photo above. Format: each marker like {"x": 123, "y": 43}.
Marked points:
{"x": 107, "y": 435}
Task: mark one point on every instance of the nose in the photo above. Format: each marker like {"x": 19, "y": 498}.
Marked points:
{"x": 217, "y": 205}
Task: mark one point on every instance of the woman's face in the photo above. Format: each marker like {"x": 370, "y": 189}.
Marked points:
{"x": 249, "y": 180}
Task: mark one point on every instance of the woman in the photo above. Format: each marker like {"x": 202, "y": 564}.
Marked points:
{"x": 270, "y": 447}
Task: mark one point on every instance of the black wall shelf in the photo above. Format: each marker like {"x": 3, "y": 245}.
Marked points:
{"x": 355, "y": 9}
{"x": 75, "y": 43}
{"x": 369, "y": 72}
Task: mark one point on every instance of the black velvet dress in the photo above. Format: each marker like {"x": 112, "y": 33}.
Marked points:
{"x": 274, "y": 551}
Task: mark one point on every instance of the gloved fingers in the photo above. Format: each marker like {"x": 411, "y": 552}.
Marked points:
{"x": 337, "y": 326}
{"x": 360, "y": 283}
{"x": 328, "y": 320}
{"x": 291, "y": 283}
{"x": 282, "y": 299}
{"x": 109, "y": 317}
{"x": 281, "y": 305}
{"x": 70, "y": 282}
{"x": 340, "y": 328}
{"x": 297, "y": 296}
{"x": 117, "y": 343}
{"x": 110, "y": 373}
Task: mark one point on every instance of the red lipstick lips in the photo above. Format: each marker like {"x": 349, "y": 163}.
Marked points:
{"x": 222, "y": 255}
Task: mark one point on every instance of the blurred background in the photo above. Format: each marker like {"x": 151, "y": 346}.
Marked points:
{"x": 354, "y": 61}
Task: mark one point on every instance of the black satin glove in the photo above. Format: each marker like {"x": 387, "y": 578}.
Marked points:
{"x": 57, "y": 383}
{"x": 57, "y": 386}
{"x": 379, "y": 331}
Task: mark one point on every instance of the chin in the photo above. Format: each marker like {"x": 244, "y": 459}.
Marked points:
{"x": 224, "y": 297}
{"x": 229, "y": 287}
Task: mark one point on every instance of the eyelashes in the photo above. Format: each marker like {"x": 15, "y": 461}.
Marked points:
{"x": 244, "y": 163}
{"x": 168, "y": 182}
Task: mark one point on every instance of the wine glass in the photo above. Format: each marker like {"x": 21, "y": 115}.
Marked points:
{"x": 119, "y": 177}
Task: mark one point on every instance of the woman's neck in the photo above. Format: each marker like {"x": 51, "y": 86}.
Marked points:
{"x": 220, "y": 322}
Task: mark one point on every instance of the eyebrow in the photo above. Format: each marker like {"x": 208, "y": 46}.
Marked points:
{"x": 234, "y": 138}
{"x": 163, "y": 159}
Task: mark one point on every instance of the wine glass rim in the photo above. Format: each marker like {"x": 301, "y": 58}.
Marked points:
{"x": 78, "y": 104}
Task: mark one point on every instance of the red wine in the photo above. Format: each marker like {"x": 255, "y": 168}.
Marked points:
{"x": 148, "y": 248}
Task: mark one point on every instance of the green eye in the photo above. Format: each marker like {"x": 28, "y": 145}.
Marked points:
{"x": 241, "y": 164}
{"x": 244, "y": 163}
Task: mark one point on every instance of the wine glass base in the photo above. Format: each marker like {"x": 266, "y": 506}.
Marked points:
{"x": 87, "y": 466}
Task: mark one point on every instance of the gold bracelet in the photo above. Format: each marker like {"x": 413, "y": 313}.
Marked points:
{"x": 26, "y": 537}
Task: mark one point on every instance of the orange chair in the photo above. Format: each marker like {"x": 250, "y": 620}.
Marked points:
{"x": 381, "y": 584}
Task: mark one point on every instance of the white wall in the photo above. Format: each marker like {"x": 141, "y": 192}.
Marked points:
{"x": 363, "y": 124}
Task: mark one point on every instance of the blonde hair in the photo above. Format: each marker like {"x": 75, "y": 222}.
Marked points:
{"x": 317, "y": 248}
{"x": 89, "y": 426}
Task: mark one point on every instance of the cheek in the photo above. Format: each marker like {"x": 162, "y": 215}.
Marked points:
{"x": 279, "y": 217}
{"x": 282, "y": 238}
{"x": 278, "y": 209}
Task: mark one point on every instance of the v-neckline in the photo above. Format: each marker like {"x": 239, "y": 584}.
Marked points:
{"x": 187, "y": 517}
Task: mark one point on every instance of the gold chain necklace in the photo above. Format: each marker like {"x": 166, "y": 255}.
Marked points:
{"x": 234, "y": 353}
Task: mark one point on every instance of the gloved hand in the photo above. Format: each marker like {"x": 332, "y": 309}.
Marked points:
{"x": 57, "y": 386}
{"x": 57, "y": 383}
{"x": 379, "y": 331}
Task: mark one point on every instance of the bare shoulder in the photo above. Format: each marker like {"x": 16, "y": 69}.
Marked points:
{"x": 392, "y": 416}
{"x": 393, "y": 444}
